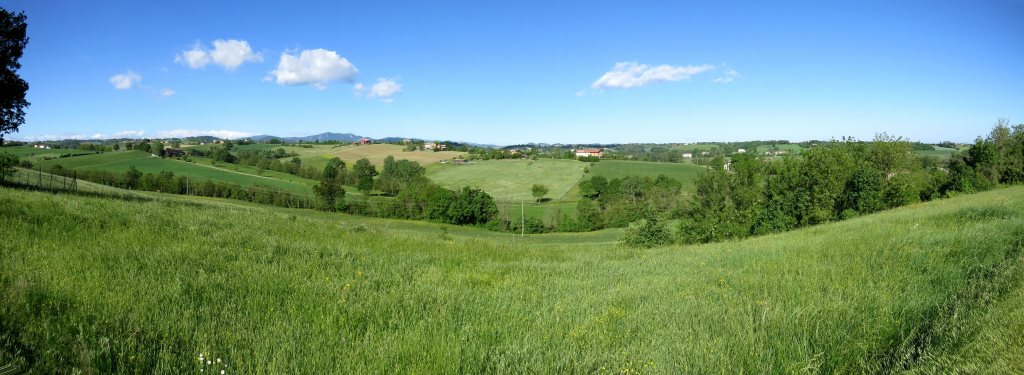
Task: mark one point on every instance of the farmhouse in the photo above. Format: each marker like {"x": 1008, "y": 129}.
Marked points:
{"x": 741, "y": 151}
{"x": 363, "y": 141}
{"x": 687, "y": 155}
{"x": 586, "y": 152}
{"x": 42, "y": 146}
{"x": 434, "y": 146}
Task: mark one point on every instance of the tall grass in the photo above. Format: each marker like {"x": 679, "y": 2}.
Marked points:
{"x": 104, "y": 285}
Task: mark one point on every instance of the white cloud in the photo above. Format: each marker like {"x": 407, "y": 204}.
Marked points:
{"x": 195, "y": 58}
{"x": 97, "y": 136}
{"x": 630, "y": 74}
{"x": 728, "y": 76}
{"x": 167, "y": 93}
{"x": 129, "y": 134}
{"x": 384, "y": 89}
{"x": 182, "y": 133}
{"x": 230, "y": 54}
{"x": 125, "y": 81}
{"x": 313, "y": 67}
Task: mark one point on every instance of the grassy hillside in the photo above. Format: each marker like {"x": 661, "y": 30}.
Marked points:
{"x": 684, "y": 172}
{"x": 265, "y": 291}
{"x": 943, "y": 153}
{"x": 197, "y": 171}
{"x": 35, "y": 154}
{"x": 510, "y": 180}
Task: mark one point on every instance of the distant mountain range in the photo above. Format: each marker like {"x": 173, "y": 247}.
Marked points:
{"x": 322, "y": 137}
{"x": 345, "y": 137}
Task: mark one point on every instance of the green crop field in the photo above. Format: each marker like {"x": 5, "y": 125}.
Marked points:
{"x": 684, "y": 172}
{"x": 104, "y": 285}
{"x": 790, "y": 148}
{"x": 197, "y": 171}
{"x": 35, "y": 154}
{"x": 943, "y": 153}
{"x": 510, "y": 180}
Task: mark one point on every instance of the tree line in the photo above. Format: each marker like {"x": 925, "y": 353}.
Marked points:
{"x": 838, "y": 180}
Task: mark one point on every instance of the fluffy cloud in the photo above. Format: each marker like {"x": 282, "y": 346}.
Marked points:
{"x": 195, "y": 58}
{"x": 728, "y": 76}
{"x": 125, "y": 81}
{"x": 229, "y": 54}
{"x": 384, "y": 89}
{"x": 314, "y": 67}
{"x": 630, "y": 74}
{"x": 129, "y": 134}
{"x": 182, "y": 133}
{"x": 167, "y": 93}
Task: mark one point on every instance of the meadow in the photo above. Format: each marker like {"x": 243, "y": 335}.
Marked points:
{"x": 941, "y": 153}
{"x": 27, "y": 152}
{"x": 257, "y": 290}
{"x": 510, "y": 180}
{"x": 198, "y": 171}
{"x": 683, "y": 172}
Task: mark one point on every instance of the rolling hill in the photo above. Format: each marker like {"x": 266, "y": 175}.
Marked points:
{"x": 104, "y": 285}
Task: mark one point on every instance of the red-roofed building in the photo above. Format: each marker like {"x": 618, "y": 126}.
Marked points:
{"x": 586, "y": 152}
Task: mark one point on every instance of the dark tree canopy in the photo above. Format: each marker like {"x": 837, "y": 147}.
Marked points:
{"x": 12, "y": 88}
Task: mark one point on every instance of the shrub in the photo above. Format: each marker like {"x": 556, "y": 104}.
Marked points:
{"x": 649, "y": 232}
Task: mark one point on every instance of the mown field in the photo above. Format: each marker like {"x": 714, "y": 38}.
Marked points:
{"x": 198, "y": 171}
{"x": 105, "y": 285}
{"x": 510, "y": 180}
{"x": 376, "y": 154}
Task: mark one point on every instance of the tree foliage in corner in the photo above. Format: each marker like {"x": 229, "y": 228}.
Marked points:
{"x": 13, "y": 39}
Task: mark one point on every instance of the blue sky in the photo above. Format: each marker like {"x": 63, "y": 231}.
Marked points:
{"x": 523, "y": 71}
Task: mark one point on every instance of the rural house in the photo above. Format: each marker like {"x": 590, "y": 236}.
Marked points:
{"x": 585, "y": 152}
{"x": 687, "y": 155}
{"x": 431, "y": 146}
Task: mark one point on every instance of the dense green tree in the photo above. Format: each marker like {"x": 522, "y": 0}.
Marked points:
{"x": 132, "y": 178}
{"x": 7, "y": 163}
{"x": 329, "y": 189}
{"x": 539, "y": 191}
{"x": 13, "y": 38}
{"x": 396, "y": 175}
{"x": 364, "y": 172}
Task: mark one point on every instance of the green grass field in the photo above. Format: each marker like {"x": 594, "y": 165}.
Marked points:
{"x": 197, "y": 171}
{"x": 510, "y": 180}
{"x": 942, "y": 153}
{"x": 33, "y": 154}
{"x": 926, "y": 288}
{"x": 683, "y": 172}
{"x": 790, "y": 148}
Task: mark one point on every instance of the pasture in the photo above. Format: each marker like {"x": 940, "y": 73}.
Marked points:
{"x": 254, "y": 290}
{"x": 27, "y": 152}
{"x": 942, "y": 153}
{"x": 196, "y": 171}
{"x": 683, "y": 172}
{"x": 510, "y": 180}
